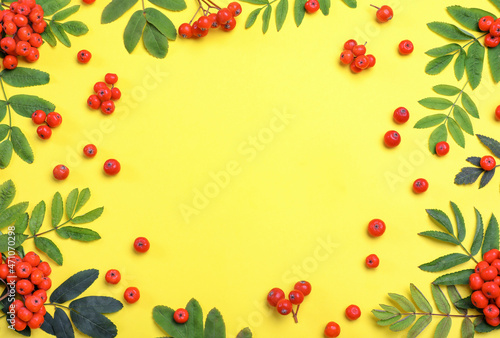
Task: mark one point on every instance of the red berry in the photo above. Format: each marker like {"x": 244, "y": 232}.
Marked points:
{"x": 104, "y": 94}
{"x": 481, "y": 266}
{"x": 235, "y": 8}
{"x": 8, "y": 44}
{"x": 491, "y": 290}
{"x": 132, "y": 295}
{"x": 497, "y": 113}
{"x": 19, "y": 325}
{"x": 107, "y": 107}
{"x": 111, "y": 78}
{"x": 304, "y": 287}
{"x": 84, "y": 56}
{"x": 355, "y": 69}
{"x": 371, "y": 60}
{"x": 495, "y": 28}
{"x": 491, "y": 41}
{"x": 491, "y": 255}
{"x": 490, "y": 311}
{"x": 60, "y": 172}
{"x": 392, "y": 139}
{"x": 38, "y": 117}
{"x": 488, "y": 163}
{"x": 185, "y": 30}
{"x": 42, "y": 294}
{"x": 23, "y": 48}
{"x": 372, "y": 261}
{"x": 33, "y": 303}
{"x": 362, "y": 62}
{"x": 93, "y": 102}
{"x": 223, "y": 16}
{"x": 90, "y": 150}
{"x": 10, "y": 62}
{"x": 496, "y": 264}
{"x": 311, "y": 6}
{"x": 405, "y": 47}
{"x": 384, "y": 13}
{"x": 296, "y": 297}
{"x": 489, "y": 273}
{"x": 36, "y": 276}
{"x": 36, "y": 321}
{"x": 99, "y": 85}
{"x": 45, "y": 284}
{"x": 33, "y": 55}
{"x": 45, "y": 267}
{"x": 141, "y": 244}
{"x": 493, "y": 321}
{"x": 9, "y": 27}
{"x": 54, "y": 120}
{"x": 204, "y": 23}
{"x": 353, "y": 312}
{"x": 475, "y": 281}
{"x": 229, "y": 26}
{"x": 44, "y": 132}
{"x": 113, "y": 276}
{"x": 115, "y": 93}
{"x": 359, "y": 50}
{"x": 442, "y": 148}
{"x": 181, "y": 316}
{"x": 401, "y": 115}
{"x": 24, "y": 34}
{"x": 274, "y": 296}
{"x": 284, "y": 307}
{"x": 349, "y": 45}
{"x": 112, "y": 167}
{"x": 23, "y": 269}
{"x": 420, "y": 185}
{"x": 346, "y": 57}
{"x": 24, "y": 314}
{"x": 39, "y": 27}
{"x": 485, "y": 23}
{"x": 20, "y": 20}
{"x": 332, "y": 330}
{"x": 213, "y": 19}
{"x": 89, "y": 1}
{"x": 376, "y": 227}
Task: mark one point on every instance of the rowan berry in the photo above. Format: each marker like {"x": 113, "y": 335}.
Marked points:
{"x": 495, "y": 28}
{"x": 311, "y": 6}
{"x": 42, "y": 294}
{"x": 112, "y": 167}
{"x": 23, "y": 269}
{"x": 197, "y": 32}
{"x": 274, "y": 296}
{"x": 24, "y": 34}
{"x": 355, "y": 69}
{"x": 4, "y": 271}
{"x": 296, "y": 297}
{"x": 132, "y": 295}
{"x": 181, "y": 316}
{"x": 490, "y": 290}
{"x": 384, "y": 13}
{"x": 24, "y": 314}
{"x": 24, "y": 286}
{"x": 16, "y": 305}
{"x": 491, "y": 255}
{"x": 38, "y": 117}
{"x": 84, "y": 56}
{"x": 442, "y": 148}
{"x": 36, "y": 321}
{"x": 332, "y": 330}
{"x": 362, "y": 62}
{"x": 42, "y": 311}
{"x": 372, "y": 261}
{"x": 141, "y": 244}
{"x": 36, "y": 276}
{"x": 104, "y": 94}
{"x": 353, "y": 312}
{"x": 90, "y": 150}
{"x": 116, "y": 94}
{"x": 487, "y": 274}
{"x": 19, "y": 325}
{"x": 20, "y": 20}
{"x": 44, "y": 132}
{"x": 490, "y": 311}
{"x": 371, "y": 60}
{"x": 213, "y": 19}
{"x": 45, "y": 284}
{"x": 487, "y": 163}
{"x": 30, "y": 3}
{"x": 99, "y": 85}
{"x": 223, "y": 16}
{"x": 497, "y": 113}
{"x": 475, "y": 281}
{"x": 493, "y": 321}
{"x": 54, "y": 119}
{"x": 186, "y": 30}
{"x": 349, "y": 44}
{"x": 304, "y": 287}
{"x": 111, "y": 78}
{"x": 359, "y": 50}
{"x": 9, "y": 27}
{"x": 39, "y": 27}
{"x": 60, "y": 172}
{"x": 481, "y": 266}
{"x": 10, "y": 62}
{"x": 45, "y": 267}
{"x": 405, "y": 47}
{"x": 108, "y": 107}
{"x": 113, "y": 276}
{"x": 235, "y": 8}
{"x": 93, "y": 102}
{"x": 229, "y": 26}
{"x": 284, "y": 307}
{"x": 420, "y": 185}
{"x": 376, "y": 227}
{"x": 204, "y": 23}
{"x": 401, "y": 115}
{"x": 8, "y": 44}
{"x": 33, "y": 55}
{"x": 22, "y": 9}
{"x": 392, "y": 139}
{"x": 23, "y": 48}
{"x": 88, "y": 2}
{"x": 346, "y": 57}
{"x": 491, "y": 41}
{"x": 496, "y": 264}
{"x": 36, "y": 16}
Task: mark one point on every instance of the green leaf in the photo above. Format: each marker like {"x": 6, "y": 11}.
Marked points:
{"x": 463, "y": 119}
{"x": 21, "y": 223}
{"x": 4, "y": 129}
{"x": 21, "y": 145}
{"x": 57, "y": 209}
{"x": 214, "y": 325}
{"x": 467, "y": 328}
{"x": 194, "y": 325}
{"x": 25, "y": 105}
{"x": 402, "y": 301}
{"x": 76, "y": 28}
{"x": 171, "y": 5}
{"x": 83, "y": 198}
{"x": 459, "y": 218}
{"x": 100, "y": 304}
{"x": 116, "y": 9}
{"x": 11, "y": 214}
{"x": 419, "y": 326}
{"x": 386, "y": 322}
{"x": 491, "y": 144}
{"x": 88, "y": 217}
{"x": 454, "y": 278}
{"x": 390, "y": 309}
{"x": 245, "y": 333}
{"x": 437, "y": 65}
{"x": 443, "y": 328}
{"x": 445, "y": 262}
{"x": 266, "y": 17}
{"x": 440, "y": 236}
{"x": 6, "y": 241}
{"x": 52, "y": 6}
{"x": 299, "y": 11}
{"x": 474, "y": 160}
{"x": 403, "y": 324}
{"x": 468, "y": 17}
{"x": 436, "y": 103}
{"x": 439, "y": 134}
{"x": 325, "y": 5}
{"x": 450, "y": 31}
{"x": 5, "y": 153}
{"x": 133, "y": 30}
{"x": 456, "y": 132}
{"x": 468, "y": 175}
{"x": 464, "y": 303}
{"x": 37, "y": 217}
{"x": 482, "y": 326}
{"x": 79, "y": 234}
{"x": 74, "y": 286}
{"x": 491, "y": 236}
{"x": 50, "y": 248}
{"x": 422, "y": 303}
{"x": 25, "y": 77}
{"x": 155, "y": 42}
{"x": 478, "y": 236}
{"x": 7, "y": 194}
{"x": 430, "y": 121}
{"x": 459, "y": 67}
{"x": 62, "y": 325}
{"x": 474, "y": 63}
{"x": 351, "y": 3}
{"x": 161, "y": 22}
{"x": 281, "y": 12}
{"x": 93, "y": 324}
{"x": 454, "y": 297}
{"x": 71, "y": 203}
{"x": 49, "y": 37}
{"x": 66, "y": 13}
{"x": 443, "y": 50}
{"x": 164, "y": 317}
{"x": 383, "y": 315}
{"x": 441, "y": 302}
{"x": 496, "y": 3}
{"x": 252, "y": 17}
{"x": 487, "y": 176}
{"x": 446, "y": 90}
{"x": 494, "y": 61}
{"x": 59, "y": 33}
{"x": 441, "y": 219}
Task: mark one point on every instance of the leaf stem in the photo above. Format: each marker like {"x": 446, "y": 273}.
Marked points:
{"x": 54, "y": 228}
{"x": 438, "y": 314}
{"x": 455, "y": 103}
{"x": 58, "y": 305}
{"x": 143, "y": 7}
{"x": 8, "y": 107}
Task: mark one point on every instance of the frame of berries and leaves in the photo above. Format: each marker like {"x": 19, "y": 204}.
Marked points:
{"x": 193, "y": 328}
{"x": 469, "y": 175}
{"x": 16, "y": 215}
{"x": 153, "y": 26}
{"x": 469, "y": 61}
{"x": 456, "y": 125}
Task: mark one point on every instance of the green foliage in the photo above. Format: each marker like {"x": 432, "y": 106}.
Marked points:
{"x": 57, "y": 30}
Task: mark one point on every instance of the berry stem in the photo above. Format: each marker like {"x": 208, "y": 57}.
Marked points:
{"x": 195, "y": 13}
{"x": 375, "y": 6}
{"x": 3, "y": 297}
{"x": 143, "y": 7}
{"x": 213, "y": 4}
{"x": 8, "y": 108}
{"x": 294, "y": 314}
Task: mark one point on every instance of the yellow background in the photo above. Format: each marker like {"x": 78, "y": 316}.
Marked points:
{"x": 323, "y": 176}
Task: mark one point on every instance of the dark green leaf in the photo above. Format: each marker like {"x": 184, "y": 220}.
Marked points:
{"x": 446, "y": 90}
{"x": 133, "y": 30}
{"x": 100, "y": 304}
{"x": 71, "y": 203}
{"x": 474, "y": 63}
{"x": 74, "y": 286}
{"x": 440, "y": 236}
{"x": 49, "y": 37}
{"x": 478, "y": 236}
{"x": 171, "y": 5}
{"x": 66, "y": 13}
{"x": 83, "y": 198}
{"x": 21, "y": 224}
{"x": 459, "y": 218}
{"x": 281, "y": 12}
{"x": 443, "y": 50}
{"x": 402, "y": 301}
{"x": 485, "y": 327}
{"x": 47, "y": 325}
{"x": 325, "y": 5}
{"x": 496, "y": 3}
{"x": 449, "y": 31}
{"x": 437, "y": 65}
{"x": 441, "y": 219}
{"x": 25, "y": 77}
{"x": 445, "y": 262}
{"x": 245, "y": 333}
{"x": 443, "y": 328}
{"x": 59, "y": 33}
{"x": 6, "y": 241}
{"x": 194, "y": 326}
{"x": 62, "y": 325}
{"x": 4, "y": 129}
{"x": 390, "y": 309}
{"x": 403, "y": 324}
{"x": 5, "y": 153}
{"x": 419, "y": 326}
{"x": 37, "y": 217}
{"x": 455, "y": 278}
{"x": 252, "y": 17}
{"x": 155, "y": 42}
{"x": 468, "y": 175}
{"x": 7, "y": 194}
{"x": 467, "y": 328}
{"x": 488, "y": 175}
{"x": 437, "y": 103}
{"x": 491, "y": 236}
{"x": 52, "y": 6}
{"x": 161, "y": 22}
{"x": 491, "y": 144}
{"x": 11, "y": 214}
{"x": 25, "y": 105}
{"x": 494, "y": 61}
{"x": 463, "y": 119}
{"x": 439, "y": 134}
{"x": 266, "y": 17}
{"x": 464, "y": 303}
{"x": 76, "y": 28}
{"x": 79, "y": 234}
{"x": 430, "y": 121}
{"x": 115, "y": 9}
{"x": 89, "y": 216}
{"x": 299, "y": 11}
{"x": 351, "y": 3}
{"x": 459, "y": 67}
{"x": 386, "y": 322}
{"x": 164, "y": 317}
{"x": 467, "y": 17}
{"x": 50, "y": 248}
{"x": 441, "y": 302}
{"x": 21, "y": 145}
{"x": 57, "y": 209}
{"x": 419, "y": 299}
{"x": 456, "y": 132}
{"x": 474, "y": 160}
{"x": 214, "y": 325}
{"x": 93, "y": 324}
{"x": 383, "y": 315}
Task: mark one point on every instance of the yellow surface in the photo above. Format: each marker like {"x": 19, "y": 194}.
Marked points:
{"x": 320, "y": 178}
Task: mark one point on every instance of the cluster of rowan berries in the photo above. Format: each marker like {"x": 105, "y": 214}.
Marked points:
{"x": 485, "y": 282}
{"x": 354, "y": 55}
{"x": 21, "y": 26}
{"x": 30, "y": 278}
{"x": 104, "y": 95}
{"x": 110, "y": 167}
{"x": 276, "y": 298}
{"x": 46, "y": 122}
{"x": 224, "y": 19}
{"x": 492, "y": 26}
